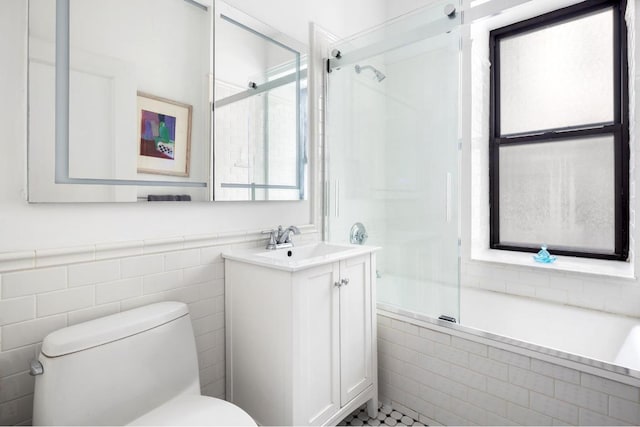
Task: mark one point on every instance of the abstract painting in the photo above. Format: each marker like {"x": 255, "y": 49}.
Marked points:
{"x": 158, "y": 135}
{"x": 164, "y": 130}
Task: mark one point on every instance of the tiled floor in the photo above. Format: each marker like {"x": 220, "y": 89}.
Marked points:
{"x": 387, "y": 416}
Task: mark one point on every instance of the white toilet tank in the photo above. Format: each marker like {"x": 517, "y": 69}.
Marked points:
{"x": 112, "y": 370}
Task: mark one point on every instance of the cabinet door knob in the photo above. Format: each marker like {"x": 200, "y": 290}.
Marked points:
{"x": 344, "y": 281}
{"x": 338, "y": 284}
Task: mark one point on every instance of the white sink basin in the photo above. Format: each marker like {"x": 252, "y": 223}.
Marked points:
{"x": 298, "y": 257}
{"x": 299, "y": 253}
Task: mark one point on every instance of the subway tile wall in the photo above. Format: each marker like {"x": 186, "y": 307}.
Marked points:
{"x": 36, "y": 302}
{"x": 429, "y": 375}
{"x": 609, "y": 294}
{"x": 443, "y": 379}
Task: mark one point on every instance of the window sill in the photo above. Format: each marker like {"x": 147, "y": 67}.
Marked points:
{"x": 563, "y": 263}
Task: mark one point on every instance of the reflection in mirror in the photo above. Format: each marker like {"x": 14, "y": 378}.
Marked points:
{"x": 139, "y": 106}
{"x": 260, "y": 111}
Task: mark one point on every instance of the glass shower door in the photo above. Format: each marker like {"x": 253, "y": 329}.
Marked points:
{"x": 392, "y": 155}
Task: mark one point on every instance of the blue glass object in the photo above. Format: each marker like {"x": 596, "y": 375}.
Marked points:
{"x": 543, "y": 256}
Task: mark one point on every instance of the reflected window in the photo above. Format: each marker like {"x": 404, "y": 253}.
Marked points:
{"x": 559, "y": 133}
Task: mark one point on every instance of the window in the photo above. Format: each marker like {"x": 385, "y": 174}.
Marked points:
{"x": 559, "y": 151}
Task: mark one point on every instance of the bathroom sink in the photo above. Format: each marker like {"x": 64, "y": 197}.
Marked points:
{"x": 298, "y": 257}
{"x": 299, "y": 253}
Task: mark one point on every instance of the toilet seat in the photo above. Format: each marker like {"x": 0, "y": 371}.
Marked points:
{"x": 195, "y": 410}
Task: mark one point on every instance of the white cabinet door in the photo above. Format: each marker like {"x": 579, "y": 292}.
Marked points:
{"x": 355, "y": 327}
{"x": 317, "y": 390}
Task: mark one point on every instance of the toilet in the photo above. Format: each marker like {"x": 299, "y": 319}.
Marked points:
{"x": 138, "y": 367}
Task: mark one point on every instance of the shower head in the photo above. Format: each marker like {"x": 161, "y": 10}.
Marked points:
{"x": 379, "y": 75}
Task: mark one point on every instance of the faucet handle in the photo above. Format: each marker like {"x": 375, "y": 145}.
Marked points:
{"x": 292, "y": 229}
{"x": 272, "y": 238}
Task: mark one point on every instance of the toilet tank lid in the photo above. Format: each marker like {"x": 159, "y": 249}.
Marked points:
{"x": 111, "y": 328}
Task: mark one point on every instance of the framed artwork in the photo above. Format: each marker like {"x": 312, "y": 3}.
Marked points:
{"x": 164, "y": 136}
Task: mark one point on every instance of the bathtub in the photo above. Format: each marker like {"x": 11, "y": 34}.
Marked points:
{"x": 592, "y": 334}
{"x": 511, "y": 361}
{"x": 590, "y": 337}
{"x": 629, "y": 353}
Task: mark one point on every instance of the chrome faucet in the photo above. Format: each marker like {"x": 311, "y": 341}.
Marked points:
{"x": 284, "y": 236}
{"x": 281, "y": 238}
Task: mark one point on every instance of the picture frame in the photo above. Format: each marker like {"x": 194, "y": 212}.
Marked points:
{"x": 164, "y": 136}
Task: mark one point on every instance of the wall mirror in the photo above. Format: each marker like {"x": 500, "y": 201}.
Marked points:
{"x": 259, "y": 111}
{"x": 119, "y": 106}
{"x": 121, "y": 96}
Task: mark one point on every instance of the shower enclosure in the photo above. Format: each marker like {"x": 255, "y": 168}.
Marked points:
{"x": 392, "y": 141}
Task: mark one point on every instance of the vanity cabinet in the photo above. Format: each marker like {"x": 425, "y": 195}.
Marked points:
{"x": 301, "y": 342}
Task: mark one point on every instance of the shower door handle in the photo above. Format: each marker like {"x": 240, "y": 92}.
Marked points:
{"x": 448, "y": 198}
{"x": 337, "y": 198}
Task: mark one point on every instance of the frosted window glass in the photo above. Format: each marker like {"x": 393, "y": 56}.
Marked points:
{"x": 558, "y": 76}
{"x": 560, "y": 193}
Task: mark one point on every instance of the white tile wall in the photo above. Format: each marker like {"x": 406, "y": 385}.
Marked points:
{"x": 141, "y": 265}
{"x": 31, "y": 282}
{"x": 446, "y": 379}
{"x": 94, "y": 312}
{"x": 35, "y": 302}
{"x": 64, "y": 301}
{"x": 118, "y": 290}
{"x": 614, "y": 295}
{"x": 16, "y": 310}
{"x": 93, "y": 272}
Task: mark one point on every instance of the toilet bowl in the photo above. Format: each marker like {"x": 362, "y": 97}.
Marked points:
{"x": 137, "y": 367}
